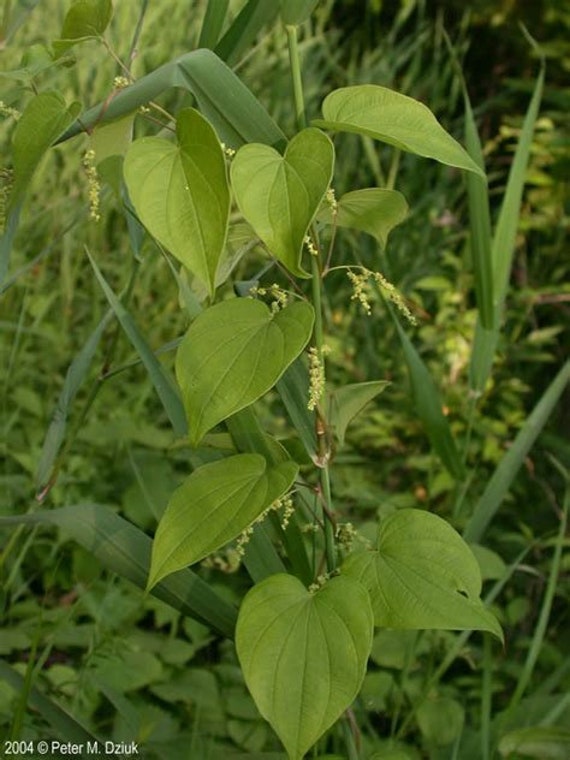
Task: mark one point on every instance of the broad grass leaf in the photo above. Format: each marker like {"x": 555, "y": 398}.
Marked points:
{"x": 236, "y": 114}
{"x": 124, "y": 549}
{"x": 372, "y": 210}
{"x": 347, "y": 402}
{"x": 303, "y": 654}
{"x": 429, "y": 407}
{"x": 233, "y": 353}
{"x": 280, "y": 195}
{"x": 545, "y": 742}
{"x": 422, "y": 576}
{"x": 212, "y": 507}
{"x": 395, "y": 119}
{"x": 181, "y": 194}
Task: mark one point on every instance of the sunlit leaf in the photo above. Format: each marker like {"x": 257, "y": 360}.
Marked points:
{"x": 181, "y": 194}
{"x": 212, "y": 507}
{"x": 395, "y": 119}
{"x": 280, "y": 195}
{"x": 233, "y": 353}
{"x": 422, "y": 576}
{"x": 303, "y": 654}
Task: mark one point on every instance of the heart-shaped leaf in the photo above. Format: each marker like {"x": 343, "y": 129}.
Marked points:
{"x": 233, "y": 353}
{"x": 303, "y": 654}
{"x": 181, "y": 193}
{"x": 280, "y": 195}
{"x": 372, "y": 210}
{"x": 395, "y": 119}
{"x": 212, "y": 507}
{"x": 423, "y": 575}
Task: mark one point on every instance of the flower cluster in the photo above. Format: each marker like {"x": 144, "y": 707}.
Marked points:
{"x": 6, "y": 180}
{"x": 285, "y": 503}
{"x": 316, "y": 376}
{"x": 311, "y": 247}
{"x": 119, "y": 83}
{"x": 361, "y": 292}
{"x": 330, "y": 198}
{"x": 279, "y": 296}
{"x": 93, "y": 184}
{"x": 319, "y": 583}
{"x": 9, "y": 111}
{"x": 230, "y": 152}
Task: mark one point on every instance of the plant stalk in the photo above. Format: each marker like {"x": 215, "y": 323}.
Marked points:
{"x": 316, "y": 284}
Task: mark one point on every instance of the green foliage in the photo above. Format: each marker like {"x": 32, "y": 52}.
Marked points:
{"x": 274, "y": 463}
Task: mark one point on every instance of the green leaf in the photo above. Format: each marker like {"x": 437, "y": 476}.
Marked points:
{"x": 233, "y": 353}
{"x": 181, "y": 193}
{"x": 429, "y": 407}
{"x": 422, "y": 576}
{"x": 213, "y": 22}
{"x": 112, "y": 139}
{"x": 124, "y": 549}
{"x": 86, "y": 18}
{"x": 241, "y": 36}
{"x": 225, "y": 101}
{"x": 441, "y": 720}
{"x": 395, "y": 119}
{"x": 371, "y": 210}
{"x": 280, "y": 195}
{"x": 42, "y": 122}
{"x": 303, "y": 654}
{"x": 295, "y": 12}
{"x": 213, "y": 506}
{"x": 544, "y": 742}
{"x": 347, "y": 402}
{"x": 503, "y": 477}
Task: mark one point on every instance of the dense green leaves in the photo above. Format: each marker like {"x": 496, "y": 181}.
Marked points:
{"x": 372, "y": 210}
{"x": 213, "y": 506}
{"x": 395, "y": 119}
{"x": 280, "y": 195}
{"x": 181, "y": 193}
{"x": 304, "y": 654}
{"x": 235, "y": 352}
{"x": 422, "y": 575}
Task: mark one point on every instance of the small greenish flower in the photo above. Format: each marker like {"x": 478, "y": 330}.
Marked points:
{"x": 119, "y": 83}
{"x": 93, "y": 184}
{"x": 330, "y": 198}
{"x": 362, "y": 293}
{"x": 316, "y": 378}
{"x": 310, "y": 246}
{"x": 230, "y": 152}
{"x": 5, "y": 110}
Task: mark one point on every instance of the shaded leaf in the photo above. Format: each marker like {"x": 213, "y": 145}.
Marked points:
{"x": 422, "y": 576}
{"x": 395, "y": 119}
{"x": 295, "y": 12}
{"x": 544, "y": 742}
{"x": 280, "y": 195}
{"x": 303, "y": 654}
{"x": 347, "y": 402}
{"x": 233, "y": 353}
{"x": 124, "y": 549}
{"x": 372, "y": 210}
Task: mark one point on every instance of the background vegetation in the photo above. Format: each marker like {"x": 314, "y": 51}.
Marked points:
{"x": 128, "y": 666}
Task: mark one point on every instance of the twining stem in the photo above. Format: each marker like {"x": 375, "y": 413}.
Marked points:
{"x": 316, "y": 284}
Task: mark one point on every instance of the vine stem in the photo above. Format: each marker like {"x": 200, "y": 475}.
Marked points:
{"x": 316, "y": 284}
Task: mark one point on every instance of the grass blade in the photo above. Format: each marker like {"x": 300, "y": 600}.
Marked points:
{"x": 504, "y": 241}
{"x": 293, "y": 388}
{"x": 233, "y": 110}
{"x": 67, "y": 727}
{"x": 73, "y": 381}
{"x": 480, "y": 223}
{"x": 124, "y": 549}
{"x": 542, "y": 622}
{"x": 240, "y": 36}
{"x": 429, "y": 407}
{"x": 504, "y": 475}
{"x": 213, "y": 22}
{"x": 162, "y": 381}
